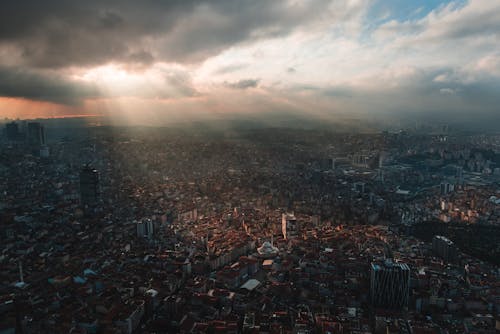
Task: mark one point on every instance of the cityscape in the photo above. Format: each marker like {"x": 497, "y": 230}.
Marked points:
{"x": 253, "y": 231}
{"x": 302, "y": 167}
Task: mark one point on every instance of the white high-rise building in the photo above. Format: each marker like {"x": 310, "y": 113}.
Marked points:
{"x": 289, "y": 226}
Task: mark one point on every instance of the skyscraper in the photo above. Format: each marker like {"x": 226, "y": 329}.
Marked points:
{"x": 390, "y": 284}
{"x": 289, "y": 226}
{"x": 145, "y": 228}
{"x": 12, "y": 131}
{"x": 444, "y": 248}
{"x": 89, "y": 186}
{"x": 36, "y": 134}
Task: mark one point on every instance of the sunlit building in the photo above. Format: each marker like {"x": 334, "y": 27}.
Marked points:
{"x": 289, "y": 226}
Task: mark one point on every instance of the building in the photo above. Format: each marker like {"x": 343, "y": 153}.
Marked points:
{"x": 267, "y": 250}
{"x": 389, "y": 284}
{"x": 145, "y": 228}
{"x": 359, "y": 187}
{"x": 44, "y": 151}
{"x": 444, "y": 248}
{"x": 327, "y": 164}
{"x": 360, "y": 160}
{"x": 36, "y": 134}
{"x": 89, "y": 186}
{"x": 446, "y": 188}
{"x": 12, "y": 131}
{"x": 289, "y": 226}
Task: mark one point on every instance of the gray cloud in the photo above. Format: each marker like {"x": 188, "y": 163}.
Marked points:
{"x": 45, "y": 86}
{"x": 48, "y": 85}
{"x": 230, "y": 68}
{"x": 243, "y": 84}
{"x": 417, "y": 95}
{"x": 57, "y": 33}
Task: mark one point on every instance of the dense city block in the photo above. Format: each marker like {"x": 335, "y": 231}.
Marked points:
{"x": 265, "y": 230}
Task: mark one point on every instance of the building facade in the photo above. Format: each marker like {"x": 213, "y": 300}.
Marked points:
{"x": 389, "y": 284}
{"x": 89, "y": 186}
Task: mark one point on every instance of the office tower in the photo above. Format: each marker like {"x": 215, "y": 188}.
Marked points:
{"x": 446, "y": 188}
{"x": 389, "y": 284}
{"x": 12, "y": 131}
{"x": 36, "y": 134}
{"x": 289, "y": 226}
{"x": 444, "y": 248}
{"x": 145, "y": 228}
{"x": 89, "y": 186}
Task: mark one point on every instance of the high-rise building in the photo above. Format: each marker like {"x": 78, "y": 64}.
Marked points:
{"x": 326, "y": 164}
{"x": 89, "y": 186}
{"x": 444, "y": 248}
{"x": 36, "y": 134}
{"x": 289, "y": 226}
{"x": 145, "y": 228}
{"x": 12, "y": 131}
{"x": 389, "y": 284}
{"x": 446, "y": 188}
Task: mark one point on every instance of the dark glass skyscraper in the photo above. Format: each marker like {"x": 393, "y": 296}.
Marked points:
{"x": 36, "y": 134}
{"x": 390, "y": 285}
{"x": 12, "y": 131}
{"x": 444, "y": 248}
{"x": 89, "y": 186}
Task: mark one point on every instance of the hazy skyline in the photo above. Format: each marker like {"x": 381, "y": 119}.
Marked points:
{"x": 154, "y": 62}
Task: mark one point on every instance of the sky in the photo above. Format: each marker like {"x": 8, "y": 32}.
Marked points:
{"x": 154, "y": 62}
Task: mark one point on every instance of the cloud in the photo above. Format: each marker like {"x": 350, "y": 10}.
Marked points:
{"x": 229, "y": 69}
{"x": 243, "y": 84}
{"x": 321, "y": 56}
{"x": 159, "y": 82}
{"x": 58, "y": 33}
{"x": 447, "y": 91}
{"x": 44, "y": 86}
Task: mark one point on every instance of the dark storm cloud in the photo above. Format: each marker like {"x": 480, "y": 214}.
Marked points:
{"x": 57, "y": 33}
{"x": 15, "y": 82}
{"x": 48, "y": 85}
{"x": 243, "y": 84}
